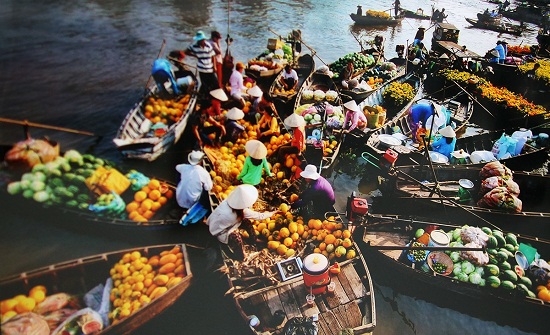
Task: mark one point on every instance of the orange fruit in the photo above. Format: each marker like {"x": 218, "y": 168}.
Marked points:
{"x": 156, "y": 206}
{"x": 25, "y": 305}
{"x": 148, "y": 214}
{"x": 168, "y": 194}
{"x": 284, "y": 232}
{"x": 38, "y": 296}
{"x": 133, "y": 214}
{"x": 154, "y": 184}
{"x": 132, "y": 206}
{"x": 154, "y": 194}
{"x": 8, "y": 305}
{"x": 140, "y": 196}
{"x": 329, "y": 239}
{"x": 145, "y": 206}
{"x": 288, "y": 241}
{"x": 346, "y": 234}
{"x": 162, "y": 200}
{"x": 38, "y": 288}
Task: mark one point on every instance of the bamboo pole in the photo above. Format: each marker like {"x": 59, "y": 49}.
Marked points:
{"x": 45, "y": 126}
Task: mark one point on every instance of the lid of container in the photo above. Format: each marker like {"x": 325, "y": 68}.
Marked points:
{"x": 466, "y": 183}
{"x": 439, "y": 237}
{"x": 315, "y": 263}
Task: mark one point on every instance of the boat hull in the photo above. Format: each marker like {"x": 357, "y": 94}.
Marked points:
{"x": 375, "y": 21}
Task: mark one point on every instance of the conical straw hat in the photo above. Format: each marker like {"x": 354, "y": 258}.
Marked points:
{"x": 255, "y": 91}
{"x": 243, "y": 196}
{"x": 352, "y": 105}
{"x": 447, "y": 132}
{"x": 295, "y": 120}
{"x": 234, "y": 114}
{"x": 256, "y": 149}
{"x": 219, "y": 94}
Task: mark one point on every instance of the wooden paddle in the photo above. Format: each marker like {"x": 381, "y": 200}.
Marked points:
{"x": 45, "y": 126}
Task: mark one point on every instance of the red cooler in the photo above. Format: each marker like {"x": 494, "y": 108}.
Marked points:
{"x": 315, "y": 272}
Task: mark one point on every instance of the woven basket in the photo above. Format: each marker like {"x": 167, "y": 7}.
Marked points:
{"x": 440, "y": 257}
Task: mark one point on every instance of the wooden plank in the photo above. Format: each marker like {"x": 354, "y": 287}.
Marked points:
{"x": 353, "y": 312}
{"x": 322, "y": 327}
{"x": 332, "y": 322}
{"x": 339, "y": 297}
{"x": 341, "y": 314}
{"x": 290, "y": 305}
{"x": 355, "y": 282}
{"x": 300, "y": 293}
{"x": 259, "y": 308}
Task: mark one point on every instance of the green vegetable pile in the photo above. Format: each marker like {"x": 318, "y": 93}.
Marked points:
{"x": 360, "y": 62}
{"x": 418, "y": 255}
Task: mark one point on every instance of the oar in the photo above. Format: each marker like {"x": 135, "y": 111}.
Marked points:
{"x": 151, "y": 75}
{"x": 45, "y": 126}
{"x": 473, "y": 98}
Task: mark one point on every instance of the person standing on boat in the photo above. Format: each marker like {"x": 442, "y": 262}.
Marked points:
{"x": 440, "y": 16}
{"x": 255, "y": 163}
{"x": 231, "y": 214}
{"x": 289, "y": 79}
{"x": 354, "y": 117}
{"x": 501, "y": 52}
{"x": 445, "y": 143}
{"x": 359, "y": 10}
{"x": 419, "y": 37}
{"x": 214, "y": 41}
{"x": 318, "y": 196}
{"x": 206, "y": 62}
{"x": 195, "y": 182}
{"x": 232, "y": 127}
{"x": 237, "y": 85}
{"x": 397, "y": 7}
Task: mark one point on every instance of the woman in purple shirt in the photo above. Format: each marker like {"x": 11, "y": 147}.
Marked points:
{"x": 318, "y": 197}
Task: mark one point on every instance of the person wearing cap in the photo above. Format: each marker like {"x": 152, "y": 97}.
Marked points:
{"x": 267, "y": 125}
{"x": 419, "y": 37}
{"x": 297, "y": 143}
{"x": 194, "y": 181}
{"x": 254, "y": 164}
{"x": 289, "y": 78}
{"x": 214, "y": 41}
{"x": 206, "y": 62}
{"x": 445, "y": 144}
{"x": 318, "y": 196}
{"x": 233, "y": 129}
{"x": 224, "y": 222}
{"x": 354, "y": 118}
{"x": 237, "y": 84}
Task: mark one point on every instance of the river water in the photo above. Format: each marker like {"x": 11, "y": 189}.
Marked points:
{"x": 84, "y": 64}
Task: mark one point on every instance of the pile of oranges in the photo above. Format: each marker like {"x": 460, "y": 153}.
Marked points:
{"x": 148, "y": 200}
{"x": 21, "y": 303}
{"x": 165, "y": 111}
{"x": 137, "y": 280}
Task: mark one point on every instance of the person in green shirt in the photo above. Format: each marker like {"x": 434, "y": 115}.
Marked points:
{"x": 254, "y": 164}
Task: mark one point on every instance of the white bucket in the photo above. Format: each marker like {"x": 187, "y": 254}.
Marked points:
{"x": 185, "y": 81}
{"x": 522, "y": 136}
{"x": 438, "y": 238}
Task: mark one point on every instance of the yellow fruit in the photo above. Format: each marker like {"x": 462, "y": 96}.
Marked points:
{"x": 340, "y": 251}
{"x": 38, "y": 296}
{"x": 25, "y": 305}
{"x": 346, "y": 243}
{"x": 288, "y": 241}
{"x": 273, "y": 245}
{"x": 154, "y": 184}
{"x": 290, "y": 253}
{"x": 280, "y": 175}
{"x": 294, "y": 197}
{"x": 38, "y": 288}
{"x": 350, "y": 254}
{"x": 8, "y": 305}
{"x": 8, "y": 315}
{"x": 284, "y": 208}
{"x": 140, "y": 196}
{"x": 282, "y": 249}
{"x": 346, "y": 234}
{"x": 284, "y": 232}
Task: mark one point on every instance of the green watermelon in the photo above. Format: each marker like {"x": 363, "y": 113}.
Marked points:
{"x": 492, "y": 242}
{"x": 500, "y": 239}
{"x": 509, "y": 275}
{"x": 492, "y": 281}
{"x": 492, "y": 269}
{"x": 487, "y": 230}
{"x": 526, "y": 281}
{"x": 511, "y": 239}
{"x": 507, "y": 285}
{"x": 505, "y": 266}
{"x": 501, "y": 256}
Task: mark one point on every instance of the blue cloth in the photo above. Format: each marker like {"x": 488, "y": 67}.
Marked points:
{"x": 501, "y": 53}
{"x": 421, "y": 112}
{"x": 162, "y": 72}
{"x": 440, "y": 145}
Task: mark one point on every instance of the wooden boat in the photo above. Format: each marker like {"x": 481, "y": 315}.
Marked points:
{"x": 377, "y": 99}
{"x": 524, "y": 12}
{"x": 445, "y": 41}
{"x": 80, "y": 276}
{"x": 414, "y": 188}
{"x": 75, "y": 198}
{"x": 369, "y": 20}
{"x": 381, "y": 139}
{"x": 496, "y": 25}
{"x": 418, "y": 14}
{"x": 305, "y": 67}
{"x": 382, "y": 240}
{"x": 137, "y": 137}
{"x": 316, "y": 152}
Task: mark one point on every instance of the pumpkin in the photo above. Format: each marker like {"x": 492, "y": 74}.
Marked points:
{"x": 28, "y": 153}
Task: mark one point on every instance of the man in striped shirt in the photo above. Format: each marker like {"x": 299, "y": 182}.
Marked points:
{"x": 206, "y": 62}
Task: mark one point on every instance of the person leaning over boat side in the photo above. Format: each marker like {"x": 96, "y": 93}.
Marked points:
{"x": 206, "y": 62}
{"x": 254, "y": 164}
{"x": 232, "y": 213}
{"x": 354, "y": 117}
{"x": 419, "y": 113}
{"x": 197, "y": 122}
{"x": 214, "y": 106}
{"x": 346, "y": 74}
{"x": 194, "y": 182}
{"x": 445, "y": 144}
{"x": 214, "y": 41}
{"x": 289, "y": 79}
{"x": 236, "y": 82}
{"x": 267, "y": 125}
{"x": 233, "y": 129}
{"x": 318, "y": 196}
{"x": 297, "y": 143}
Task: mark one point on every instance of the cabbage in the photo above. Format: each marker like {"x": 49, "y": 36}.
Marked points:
{"x": 457, "y": 269}
{"x": 308, "y": 117}
{"x": 317, "y": 117}
{"x": 456, "y": 234}
{"x": 14, "y": 187}
{"x": 474, "y": 278}
{"x": 463, "y": 277}
{"x": 479, "y": 269}
{"x": 318, "y": 95}
{"x": 467, "y": 267}
{"x": 331, "y": 95}
{"x": 37, "y": 185}
{"x": 455, "y": 256}
{"x": 307, "y": 94}
{"x": 41, "y": 196}
{"x": 482, "y": 282}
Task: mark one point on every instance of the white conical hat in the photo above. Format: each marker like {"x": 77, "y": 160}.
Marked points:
{"x": 352, "y": 105}
{"x": 219, "y": 94}
{"x": 256, "y": 149}
{"x": 195, "y": 157}
{"x": 448, "y": 132}
{"x": 234, "y": 114}
{"x": 295, "y": 120}
{"x": 255, "y": 91}
{"x": 243, "y": 196}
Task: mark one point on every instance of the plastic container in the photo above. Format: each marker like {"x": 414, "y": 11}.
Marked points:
{"x": 438, "y": 238}
{"x": 315, "y": 272}
{"x": 522, "y": 135}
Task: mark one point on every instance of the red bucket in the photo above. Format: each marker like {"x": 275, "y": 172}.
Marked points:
{"x": 315, "y": 272}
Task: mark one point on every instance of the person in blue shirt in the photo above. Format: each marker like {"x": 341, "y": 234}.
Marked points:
{"x": 501, "y": 53}
{"x": 445, "y": 144}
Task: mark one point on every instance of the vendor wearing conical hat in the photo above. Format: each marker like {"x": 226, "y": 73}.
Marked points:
{"x": 214, "y": 106}
{"x": 225, "y": 220}
{"x": 233, "y": 129}
{"x": 445, "y": 144}
{"x": 255, "y": 163}
{"x": 298, "y": 142}
{"x": 355, "y": 116}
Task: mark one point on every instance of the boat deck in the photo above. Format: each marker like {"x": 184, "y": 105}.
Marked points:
{"x": 386, "y": 239}
{"x": 348, "y": 307}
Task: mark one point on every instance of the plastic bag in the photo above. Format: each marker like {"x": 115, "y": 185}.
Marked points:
{"x": 497, "y": 181}
{"x": 501, "y": 198}
{"x": 495, "y": 169}
{"x": 300, "y": 326}
{"x": 505, "y": 144}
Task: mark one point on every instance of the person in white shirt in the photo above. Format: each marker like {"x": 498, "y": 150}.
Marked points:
{"x": 237, "y": 84}
{"x": 289, "y": 79}
{"x": 214, "y": 41}
{"x": 194, "y": 180}
{"x": 234, "y": 211}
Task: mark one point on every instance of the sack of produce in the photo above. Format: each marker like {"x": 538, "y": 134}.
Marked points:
{"x": 27, "y": 323}
{"x": 26, "y": 154}
{"x": 495, "y": 168}
{"x": 105, "y": 180}
{"x": 85, "y": 321}
{"x": 498, "y": 181}
{"x": 474, "y": 235}
{"x": 478, "y": 258}
{"x": 500, "y": 197}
